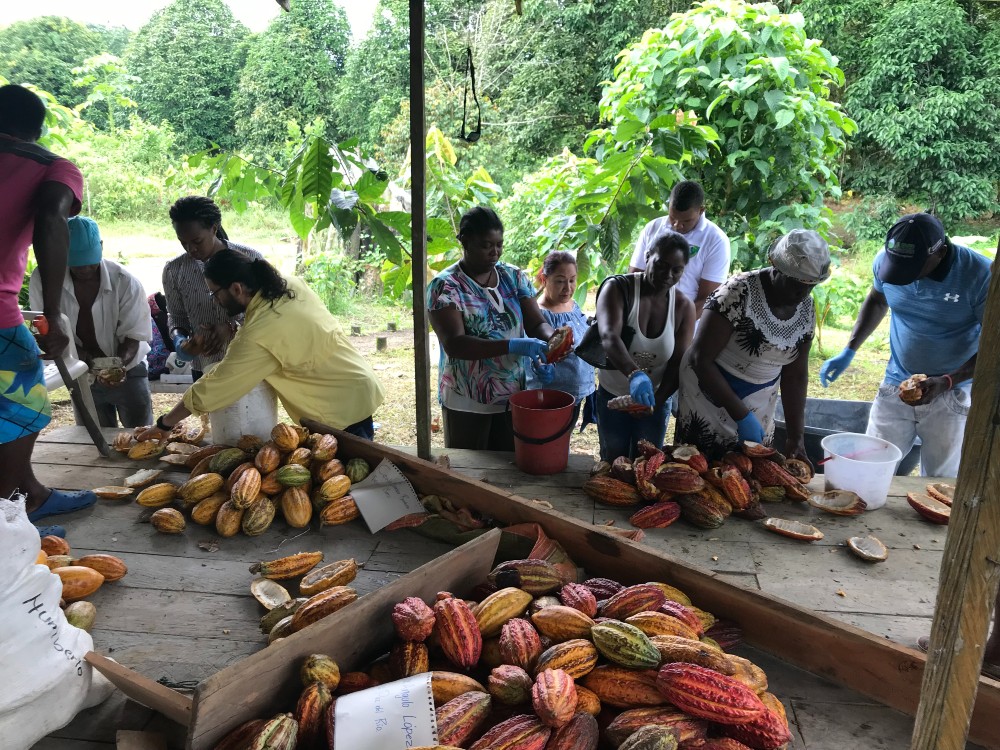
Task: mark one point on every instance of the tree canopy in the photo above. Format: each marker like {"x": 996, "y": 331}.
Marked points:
{"x": 188, "y": 58}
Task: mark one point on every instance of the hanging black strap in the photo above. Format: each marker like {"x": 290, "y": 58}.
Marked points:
{"x": 470, "y": 77}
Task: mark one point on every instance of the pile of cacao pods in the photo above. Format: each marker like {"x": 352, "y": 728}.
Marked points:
{"x": 80, "y": 578}
{"x": 322, "y": 591}
{"x": 541, "y": 664}
{"x": 295, "y": 474}
{"x": 678, "y": 482}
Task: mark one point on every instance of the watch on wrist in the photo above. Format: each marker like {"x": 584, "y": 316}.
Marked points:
{"x": 163, "y": 425}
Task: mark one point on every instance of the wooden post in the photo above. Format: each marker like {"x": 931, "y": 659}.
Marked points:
{"x": 418, "y": 209}
{"x": 392, "y": 326}
{"x": 355, "y": 330}
{"x": 381, "y": 343}
{"x": 970, "y": 569}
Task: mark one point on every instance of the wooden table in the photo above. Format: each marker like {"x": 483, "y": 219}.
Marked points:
{"x": 184, "y": 610}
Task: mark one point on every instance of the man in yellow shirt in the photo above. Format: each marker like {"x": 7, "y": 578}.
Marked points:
{"x": 288, "y": 340}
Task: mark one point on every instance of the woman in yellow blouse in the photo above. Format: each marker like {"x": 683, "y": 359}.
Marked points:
{"x": 290, "y": 341}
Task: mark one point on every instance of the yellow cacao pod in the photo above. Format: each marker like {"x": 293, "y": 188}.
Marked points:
{"x": 198, "y": 488}
{"x": 78, "y": 581}
{"x": 205, "y": 511}
{"x": 247, "y": 489}
{"x": 268, "y": 458}
{"x": 285, "y": 437}
{"x": 168, "y": 521}
{"x": 228, "y": 519}
{"x": 296, "y": 507}
{"x": 335, "y": 487}
{"x": 340, "y": 511}
{"x": 157, "y": 495}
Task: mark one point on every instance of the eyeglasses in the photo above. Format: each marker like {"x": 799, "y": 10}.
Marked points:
{"x": 212, "y": 294}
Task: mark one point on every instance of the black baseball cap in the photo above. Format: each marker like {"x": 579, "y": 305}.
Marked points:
{"x": 908, "y": 245}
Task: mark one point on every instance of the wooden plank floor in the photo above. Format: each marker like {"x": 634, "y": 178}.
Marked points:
{"x": 184, "y": 610}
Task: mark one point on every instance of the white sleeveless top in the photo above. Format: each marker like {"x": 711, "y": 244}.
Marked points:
{"x": 651, "y": 355}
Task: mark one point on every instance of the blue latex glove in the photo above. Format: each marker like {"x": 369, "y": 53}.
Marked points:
{"x": 533, "y": 348}
{"x": 834, "y": 367}
{"x": 545, "y": 372}
{"x": 750, "y": 429}
{"x": 640, "y": 388}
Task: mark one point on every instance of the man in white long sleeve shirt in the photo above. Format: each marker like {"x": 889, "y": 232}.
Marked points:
{"x": 109, "y": 317}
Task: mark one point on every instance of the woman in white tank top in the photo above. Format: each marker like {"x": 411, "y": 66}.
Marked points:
{"x": 647, "y": 367}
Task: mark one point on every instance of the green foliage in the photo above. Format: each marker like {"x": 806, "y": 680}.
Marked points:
{"x": 189, "y": 56}
{"x": 109, "y": 87}
{"x": 872, "y": 217}
{"x": 291, "y": 73}
{"x": 926, "y": 106}
{"x": 332, "y": 276}
{"x": 43, "y": 51}
{"x": 837, "y": 300}
{"x": 751, "y": 73}
{"x": 844, "y": 27}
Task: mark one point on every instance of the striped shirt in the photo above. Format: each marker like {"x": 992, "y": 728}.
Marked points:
{"x": 189, "y": 305}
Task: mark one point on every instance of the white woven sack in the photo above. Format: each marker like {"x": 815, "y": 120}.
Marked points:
{"x": 46, "y": 682}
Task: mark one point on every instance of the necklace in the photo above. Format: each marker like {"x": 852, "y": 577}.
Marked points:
{"x": 492, "y": 292}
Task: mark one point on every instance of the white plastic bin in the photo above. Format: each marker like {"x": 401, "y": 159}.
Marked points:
{"x": 868, "y": 472}
{"x": 254, "y": 414}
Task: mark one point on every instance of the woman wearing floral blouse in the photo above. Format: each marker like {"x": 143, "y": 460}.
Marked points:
{"x": 489, "y": 327}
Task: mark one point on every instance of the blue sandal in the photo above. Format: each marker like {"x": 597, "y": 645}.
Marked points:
{"x": 59, "y": 502}
{"x": 58, "y": 531}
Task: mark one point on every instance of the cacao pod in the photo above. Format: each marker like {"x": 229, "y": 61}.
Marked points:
{"x": 293, "y": 475}
{"x": 519, "y": 644}
{"x": 310, "y": 714}
{"x": 516, "y": 733}
{"x": 684, "y": 614}
{"x": 352, "y": 682}
{"x": 656, "y": 516}
{"x": 258, "y": 517}
{"x": 510, "y": 685}
{"x": 650, "y": 737}
{"x": 250, "y": 444}
{"x": 300, "y": 456}
{"x": 610, "y": 491}
{"x": 576, "y": 658}
{"x": 328, "y": 470}
{"x": 146, "y": 449}
{"x": 671, "y": 593}
{"x": 324, "y": 447}
{"x": 81, "y": 615}
{"x": 642, "y": 597}
{"x": 706, "y": 694}
{"x": 624, "y": 644}
{"x": 537, "y": 577}
{"x": 338, "y": 573}
{"x": 413, "y": 619}
{"x": 685, "y": 728}
{"x": 340, "y": 511}
{"x": 660, "y": 623}
{"x": 408, "y": 658}
{"x": 320, "y": 668}
{"x": 677, "y": 479}
{"x": 205, "y": 511}
{"x": 268, "y": 458}
{"x": 78, "y": 582}
{"x": 499, "y": 607}
{"x": 460, "y": 717}
{"x": 767, "y": 732}
{"x": 296, "y": 508}
{"x": 457, "y": 632}
{"x": 561, "y": 623}
{"x": 726, "y": 633}
{"x": 691, "y": 456}
{"x": 322, "y": 604}
{"x": 246, "y": 490}
{"x": 279, "y": 733}
{"x": 623, "y": 470}
{"x": 677, "y": 648}
{"x": 624, "y": 688}
{"x": 603, "y": 588}
{"x": 226, "y": 460}
{"x": 554, "y": 697}
{"x": 745, "y": 671}
{"x": 240, "y": 738}
{"x": 285, "y": 437}
{"x": 279, "y": 613}
{"x": 578, "y": 596}
{"x": 111, "y": 567}
{"x": 269, "y": 484}
{"x": 197, "y": 489}
{"x": 157, "y": 495}
{"x": 228, "y": 519}
{"x": 448, "y": 685}
{"x": 58, "y": 561}
{"x": 699, "y": 510}
{"x": 54, "y": 545}
{"x": 287, "y": 567}
{"x": 334, "y": 488}
{"x": 357, "y": 470}
{"x": 168, "y": 521}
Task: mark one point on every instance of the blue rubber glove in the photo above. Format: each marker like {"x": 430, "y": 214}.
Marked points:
{"x": 834, "y": 367}
{"x": 545, "y": 372}
{"x": 533, "y": 348}
{"x": 640, "y": 388}
{"x": 750, "y": 429}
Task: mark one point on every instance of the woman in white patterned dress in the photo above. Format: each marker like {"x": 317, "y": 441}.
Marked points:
{"x": 753, "y": 342}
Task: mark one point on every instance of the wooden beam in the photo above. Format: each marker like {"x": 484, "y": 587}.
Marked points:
{"x": 970, "y": 569}
{"x": 418, "y": 214}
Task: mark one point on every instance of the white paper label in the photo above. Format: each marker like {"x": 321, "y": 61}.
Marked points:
{"x": 384, "y": 496}
{"x": 388, "y": 717}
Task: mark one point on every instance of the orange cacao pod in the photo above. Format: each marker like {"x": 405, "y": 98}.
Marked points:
{"x": 340, "y": 511}
{"x": 268, "y": 458}
{"x": 300, "y": 456}
{"x": 554, "y": 697}
{"x": 334, "y": 488}
{"x": 338, "y": 573}
{"x": 78, "y": 582}
{"x": 309, "y": 713}
{"x": 228, "y": 519}
{"x": 745, "y": 671}
{"x": 734, "y": 486}
{"x": 168, "y": 521}
{"x": 111, "y": 567}
{"x": 678, "y": 479}
{"x": 460, "y": 717}
{"x": 561, "y": 623}
{"x": 328, "y": 470}
{"x": 291, "y": 566}
{"x": 285, "y": 437}
{"x": 205, "y": 511}
{"x": 413, "y": 619}
{"x": 296, "y": 508}
{"x": 457, "y": 632}
{"x": 237, "y": 473}
{"x": 157, "y": 495}
{"x": 408, "y": 658}
{"x": 246, "y": 489}
{"x": 700, "y": 510}
{"x": 660, "y": 623}
{"x": 324, "y": 447}
{"x": 520, "y": 644}
{"x": 352, "y": 682}
{"x": 576, "y": 658}
{"x": 323, "y": 604}
{"x": 624, "y": 688}
{"x": 610, "y": 491}
{"x": 708, "y": 695}
{"x": 269, "y": 484}
{"x": 54, "y": 545}
{"x": 677, "y": 648}
{"x": 448, "y": 685}
{"x": 587, "y": 700}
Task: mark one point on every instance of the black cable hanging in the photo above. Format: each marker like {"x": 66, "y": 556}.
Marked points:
{"x": 470, "y": 77}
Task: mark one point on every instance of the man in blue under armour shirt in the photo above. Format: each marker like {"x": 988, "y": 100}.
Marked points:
{"x": 937, "y": 293}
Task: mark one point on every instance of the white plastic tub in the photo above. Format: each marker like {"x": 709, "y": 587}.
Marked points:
{"x": 868, "y": 472}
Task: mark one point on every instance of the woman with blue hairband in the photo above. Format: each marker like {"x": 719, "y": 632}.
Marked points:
{"x": 109, "y": 317}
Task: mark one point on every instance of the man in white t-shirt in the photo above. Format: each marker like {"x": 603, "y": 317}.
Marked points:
{"x": 708, "y": 265}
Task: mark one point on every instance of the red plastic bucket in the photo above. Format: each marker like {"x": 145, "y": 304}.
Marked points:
{"x": 543, "y": 421}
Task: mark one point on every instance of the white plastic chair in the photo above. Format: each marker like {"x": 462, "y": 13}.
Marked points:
{"x": 79, "y": 388}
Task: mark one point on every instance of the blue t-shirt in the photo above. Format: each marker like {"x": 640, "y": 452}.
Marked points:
{"x": 935, "y": 324}
{"x": 573, "y": 375}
